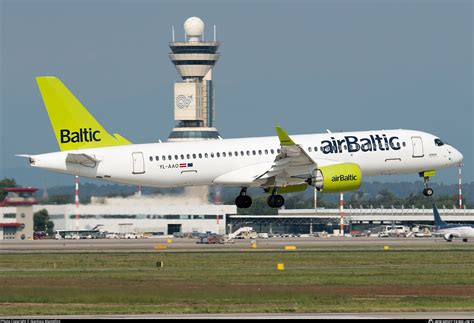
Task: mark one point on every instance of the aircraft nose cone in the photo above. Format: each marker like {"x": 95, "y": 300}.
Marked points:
{"x": 457, "y": 157}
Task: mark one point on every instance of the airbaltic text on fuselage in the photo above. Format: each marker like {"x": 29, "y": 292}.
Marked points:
{"x": 354, "y": 144}
{"x": 83, "y": 135}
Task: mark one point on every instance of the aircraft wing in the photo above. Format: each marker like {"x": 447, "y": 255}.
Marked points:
{"x": 292, "y": 166}
{"x": 82, "y": 159}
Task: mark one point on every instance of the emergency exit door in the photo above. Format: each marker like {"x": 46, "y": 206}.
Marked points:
{"x": 138, "y": 163}
{"x": 417, "y": 143}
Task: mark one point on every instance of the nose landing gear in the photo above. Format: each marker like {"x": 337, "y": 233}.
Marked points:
{"x": 427, "y": 191}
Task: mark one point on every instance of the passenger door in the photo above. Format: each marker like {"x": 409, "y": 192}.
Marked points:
{"x": 417, "y": 144}
{"x": 138, "y": 163}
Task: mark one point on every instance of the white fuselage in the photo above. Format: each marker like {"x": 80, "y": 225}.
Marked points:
{"x": 239, "y": 161}
{"x": 461, "y": 231}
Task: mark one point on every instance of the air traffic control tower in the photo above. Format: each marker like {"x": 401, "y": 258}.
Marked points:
{"x": 194, "y": 108}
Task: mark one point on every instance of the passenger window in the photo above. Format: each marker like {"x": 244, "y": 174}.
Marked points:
{"x": 248, "y": 152}
{"x": 259, "y": 152}
{"x": 266, "y": 151}
{"x": 254, "y": 152}
{"x": 151, "y": 158}
{"x": 272, "y": 151}
{"x": 169, "y": 157}
{"x": 223, "y": 154}
{"x": 212, "y": 155}
{"x": 176, "y": 157}
{"x": 241, "y": 153}
{"x": 309, "y": 149}
{"x": 182, "y": 156}
{"x": 194, "y": 155}
{"x": 278, "y": 150}
{"x": 200, "y": 155}
{"x": 163, "y": 157}
{"x": 218, "y": 154}
{"x": 188, "y": 156}
{"x": 206, "y": 155}
{"x": 315, "y": 149}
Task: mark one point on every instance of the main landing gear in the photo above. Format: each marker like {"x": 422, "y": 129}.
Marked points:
{"x": 427, "y": 191}
{"x": 243, "y": 201}
{"x": 275, "y": 200}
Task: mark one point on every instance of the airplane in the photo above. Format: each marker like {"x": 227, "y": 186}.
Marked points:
{"x": 450, "y": 231}
{"x": 330, "y": 162}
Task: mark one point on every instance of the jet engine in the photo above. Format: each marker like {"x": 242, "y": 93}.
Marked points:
{"x": 337, "y": 178}
{"x": 448, "y": 237}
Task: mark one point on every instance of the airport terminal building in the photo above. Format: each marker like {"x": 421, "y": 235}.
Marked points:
{"x": 137, "y": 215}
{"x": 151, "y": 216}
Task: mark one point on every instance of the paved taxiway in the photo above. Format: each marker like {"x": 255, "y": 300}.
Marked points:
{"x": 181, "y": 244}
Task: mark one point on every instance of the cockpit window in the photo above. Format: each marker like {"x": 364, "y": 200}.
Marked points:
{"x": 438, "y": 142}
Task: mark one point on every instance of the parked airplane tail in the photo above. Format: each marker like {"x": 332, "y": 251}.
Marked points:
{"x": 437, "y": 218}
{"x": 73, "y": 125}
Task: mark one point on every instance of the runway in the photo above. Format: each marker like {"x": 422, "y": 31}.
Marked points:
{"x": 281, "y": 316}
{"x": 188, "y": 244}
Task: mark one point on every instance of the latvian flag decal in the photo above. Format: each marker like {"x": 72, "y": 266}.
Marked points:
{"x": 184, "y": 165}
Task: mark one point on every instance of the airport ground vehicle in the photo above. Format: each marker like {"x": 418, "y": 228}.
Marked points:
{"x": 394, "y": 231}
{"x": 211, "y": 239}
{"x": 243, "y": 233}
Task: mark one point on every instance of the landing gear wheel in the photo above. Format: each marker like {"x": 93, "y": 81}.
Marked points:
{"x": 428, "y": 192}
{"x": 275, "y": 201}
{"x": 243, "y": 201}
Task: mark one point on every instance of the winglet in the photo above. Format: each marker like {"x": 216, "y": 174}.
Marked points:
{"x": 285, "y": 140}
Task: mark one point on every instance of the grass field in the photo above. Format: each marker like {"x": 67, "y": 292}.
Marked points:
{"x": 237, "y": 282}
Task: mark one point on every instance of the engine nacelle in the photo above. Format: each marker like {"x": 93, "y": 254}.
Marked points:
{"x": 338, "y": 178}
{"x": 448, "y": 237}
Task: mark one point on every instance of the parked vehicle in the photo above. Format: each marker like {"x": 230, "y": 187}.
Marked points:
{"x": 394, "y": 231}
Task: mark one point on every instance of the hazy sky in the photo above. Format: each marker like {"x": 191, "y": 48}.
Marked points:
{"x": 307, "y": 65}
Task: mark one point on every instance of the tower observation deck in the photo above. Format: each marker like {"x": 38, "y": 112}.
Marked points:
{"x": 194, "y": 103}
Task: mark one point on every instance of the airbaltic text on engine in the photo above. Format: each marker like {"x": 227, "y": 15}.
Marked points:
{"x": 354, "y": 144}
{"x": 83, "y": 135}
{"x": 343, "y": 178}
